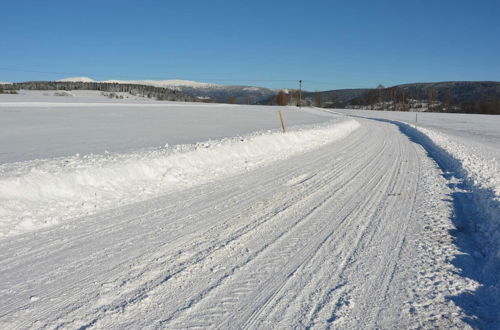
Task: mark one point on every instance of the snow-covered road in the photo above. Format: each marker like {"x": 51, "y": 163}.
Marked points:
{"x": 354, "y": 234}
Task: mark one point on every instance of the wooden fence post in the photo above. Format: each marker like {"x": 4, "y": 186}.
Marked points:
{"x": 282, "y": 122}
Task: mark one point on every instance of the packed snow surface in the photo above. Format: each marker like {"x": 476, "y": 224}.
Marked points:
{"x": 352, "y": 222}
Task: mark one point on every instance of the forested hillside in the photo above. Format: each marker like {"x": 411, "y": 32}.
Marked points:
{"x": 463, "y": 96}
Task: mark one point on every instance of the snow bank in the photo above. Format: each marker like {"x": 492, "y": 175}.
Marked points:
{"x": 481, "y": 176}
{"x": 482, "y": 169}
{"x": 36, "y": 194}
{"x": 476, "y": 184}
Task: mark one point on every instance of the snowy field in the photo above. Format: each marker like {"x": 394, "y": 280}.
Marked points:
{"x": 141, "y": 214}
{"x": 103, "y": 160}
{"x": 34, "y": 125}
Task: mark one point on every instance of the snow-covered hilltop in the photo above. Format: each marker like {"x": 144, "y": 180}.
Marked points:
{"x": 155, "y": 83}
{"x": 78, "y": 79}
{"x": 201, "y": 90}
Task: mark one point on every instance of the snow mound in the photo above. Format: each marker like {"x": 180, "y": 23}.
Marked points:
{"x": 481, "y": 178}
{"x": 37, "y": 194}
{"x": 474, "y": 181}
{"x": 483, "y": 170}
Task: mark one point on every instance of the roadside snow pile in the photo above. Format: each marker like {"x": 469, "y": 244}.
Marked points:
{"x": 40, "y": 193}
{"x": 481, "y": 176}
{"x": 481, "y": 169}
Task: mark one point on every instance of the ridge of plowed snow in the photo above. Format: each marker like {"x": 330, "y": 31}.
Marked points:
{"x": 483, "y": 170}
{"x": 481, "y": 179}
{"x": 35, "y": 195}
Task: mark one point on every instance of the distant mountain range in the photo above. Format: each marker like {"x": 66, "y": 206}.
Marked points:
{"x": 459, "y": 96}
{"x": 203, "y": 91}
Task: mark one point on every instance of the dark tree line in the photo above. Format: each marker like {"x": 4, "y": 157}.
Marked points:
{"x": 485, "y": 106}
{"x": 436, "y": 99}
{"x": 393, "y": 98}
{"x": 158, "y": 93}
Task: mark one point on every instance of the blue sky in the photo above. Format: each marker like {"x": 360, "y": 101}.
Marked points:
{"x": 328, "y": 44}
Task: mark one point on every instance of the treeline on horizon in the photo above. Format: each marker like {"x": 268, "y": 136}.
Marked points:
{"x": 455, "y": 97}
{"x": 158, "y": 93}
{"x": 458, "y": 97}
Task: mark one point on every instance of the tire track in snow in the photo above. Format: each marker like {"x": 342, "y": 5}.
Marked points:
{"x": 318, "y": 189}
{"x": 249, "y": 196}
{"x": 379, "y": 289}
{"x": 306, "y": 228}
{"x": 320, "y": 285}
